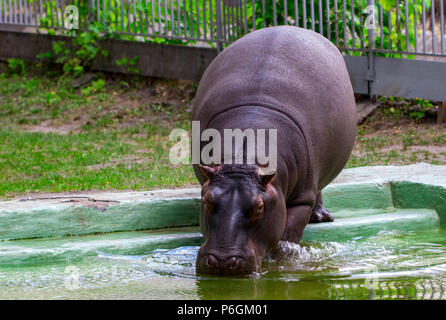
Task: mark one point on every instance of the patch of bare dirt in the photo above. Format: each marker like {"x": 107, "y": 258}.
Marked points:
{"x": 48, "y": 127}
{"x": 129, "y": 161}
{"x": 386, "y": 139}
{"x": 147, "y": 100}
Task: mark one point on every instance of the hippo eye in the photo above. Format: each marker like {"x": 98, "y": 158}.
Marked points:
{"x": 257, "y": 211}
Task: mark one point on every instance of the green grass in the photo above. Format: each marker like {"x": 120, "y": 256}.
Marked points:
{"x": 50, "y": 162}
{"x": 386, "y": 147}
{"x": 116, "y": 139}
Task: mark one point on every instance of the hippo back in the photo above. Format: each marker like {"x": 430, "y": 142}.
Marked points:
{"x": 297, "y": 72}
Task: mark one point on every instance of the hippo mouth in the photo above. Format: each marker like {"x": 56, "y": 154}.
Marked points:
{"x": 212, "y": 264}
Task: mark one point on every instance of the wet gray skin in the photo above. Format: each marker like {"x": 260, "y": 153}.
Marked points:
{"x": 242, "y": 218}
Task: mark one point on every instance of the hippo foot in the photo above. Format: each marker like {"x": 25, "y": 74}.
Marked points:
{"x": 320, "y": 214}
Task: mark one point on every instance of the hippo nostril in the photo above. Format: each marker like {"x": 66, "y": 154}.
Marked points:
{"x": 211, "y": 261}
{"x": 232, "y": 262}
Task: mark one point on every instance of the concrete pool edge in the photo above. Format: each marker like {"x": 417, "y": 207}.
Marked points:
{"x": 414, "y": 186}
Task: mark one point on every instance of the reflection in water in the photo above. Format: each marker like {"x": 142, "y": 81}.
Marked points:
{"x": 389, "y": 265}
{"x": 400, "y": 289}
{"x": 261, "y": 289}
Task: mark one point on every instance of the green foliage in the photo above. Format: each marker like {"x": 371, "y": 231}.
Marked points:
{"x": 52, "y": 98}
{"x": 16, "y": 66}
{"x": 157, "y": 20}
{"x": 388, "y": 39}
{"x": 95, "y": 87}
{"x": 414, "y": 108}
{"x": 129, "y": 65}
{"x": 76, "y": 56}
{"x": 394, "y": 34}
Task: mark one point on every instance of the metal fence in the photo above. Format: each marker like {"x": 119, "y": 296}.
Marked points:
{"x": 404, "y": 27}
{"x": 369, "y": 32}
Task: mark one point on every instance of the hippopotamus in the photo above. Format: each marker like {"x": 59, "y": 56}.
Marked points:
{"x": 295, "y": 81}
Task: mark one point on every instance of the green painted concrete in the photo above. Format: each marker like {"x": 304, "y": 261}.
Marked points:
{"x": 370, "y": 224}
{"x": 418, "y": 195}
{"x": 367, "y": 188}
{"x": 365, "y": 195}
{"x": 62, "y": 220}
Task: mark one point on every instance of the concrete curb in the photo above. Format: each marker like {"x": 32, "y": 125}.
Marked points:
{"x": 414, "y": 186}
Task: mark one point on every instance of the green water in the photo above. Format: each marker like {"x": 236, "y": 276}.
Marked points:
{"x": 390, "y": 264}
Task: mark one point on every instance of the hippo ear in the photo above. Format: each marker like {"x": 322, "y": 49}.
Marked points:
{"x": 266, "y": 177}
{"x": 208, "y": 172}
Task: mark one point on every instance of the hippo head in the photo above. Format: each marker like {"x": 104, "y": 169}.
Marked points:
{"x": 242, "y": 216}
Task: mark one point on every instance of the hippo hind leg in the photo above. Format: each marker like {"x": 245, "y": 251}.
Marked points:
{"x": 320, "y": 213}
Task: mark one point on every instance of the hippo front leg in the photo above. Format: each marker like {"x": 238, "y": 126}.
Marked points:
{"x": 320, "y": 213}
{"x": 297, "y": 219}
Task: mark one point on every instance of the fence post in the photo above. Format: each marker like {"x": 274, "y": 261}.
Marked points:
{"x": 371, "y": 47}
{"x": 90, "y": 13}
{"x": 218, "y": 25}
{"x": 441, "y": 116}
